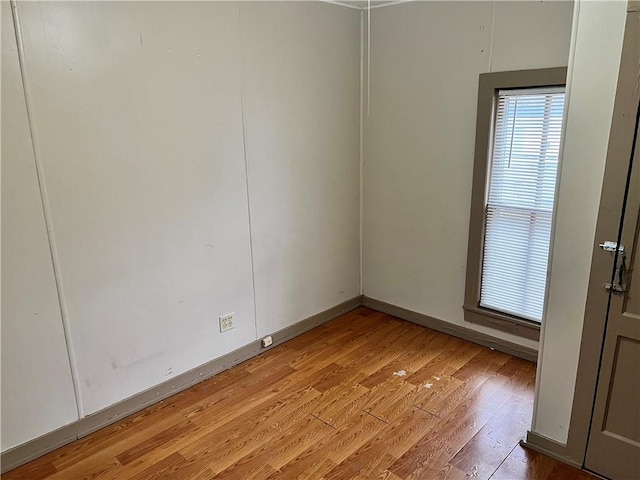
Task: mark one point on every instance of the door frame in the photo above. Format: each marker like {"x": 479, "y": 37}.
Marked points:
{"x": 611, "y": 201}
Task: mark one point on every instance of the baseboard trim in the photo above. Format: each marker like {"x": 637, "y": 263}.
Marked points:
{"x": 549, "y": 447}
{"x": 37, "y": 447}
{"x": 452, "y": 329}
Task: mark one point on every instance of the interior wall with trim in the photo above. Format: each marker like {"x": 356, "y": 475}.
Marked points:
{"x": 197, "y": 159}
{"x": 37, "y": 389}
{"x": 203, "y": 158}
{"x": 301, "y": 67}
{"x": 419, "y": 138}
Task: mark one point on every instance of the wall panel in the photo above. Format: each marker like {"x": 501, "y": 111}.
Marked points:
{"x": 138, "y": 120}
{"x": 37, "y": 390}
{"x": 301, "y": 82}
{"x": 419, "y": 138}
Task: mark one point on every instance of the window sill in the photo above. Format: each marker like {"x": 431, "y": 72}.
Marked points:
{"x": 502, "y": 322}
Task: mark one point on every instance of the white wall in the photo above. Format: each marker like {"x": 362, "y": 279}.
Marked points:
{"x": 140, "y": 133}
{"x": 137, "y": 111}
{"x": 419, "y": 138}
{"x": 302, "y": 67}
{"x": 194, "y": 151}
{"x": 593, "y": 75}
{"x": 37, "y": 391}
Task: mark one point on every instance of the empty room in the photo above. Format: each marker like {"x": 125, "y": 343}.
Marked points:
{"x": 320, "y": 240}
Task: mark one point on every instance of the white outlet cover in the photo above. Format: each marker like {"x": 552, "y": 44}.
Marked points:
{"x": 226, "y": 322}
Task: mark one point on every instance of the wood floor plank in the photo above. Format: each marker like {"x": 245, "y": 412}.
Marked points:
{"x": 450, "y": 472}
{"x": 378, "y": 351}
{"x": 99, "y": 466}
{"x": 233, "y": 440}
{"x": 358, "y": 320}
{"x": 337, "y": 376}
{"x": 173, "y": 433}
{"x": 222, "y": 448}
{"x": 452, "y": 354}
{"x": 387, "y": 475}
{"x": 521, "y": 376}
{"x": 365, "y": 395}
{"x": 527, "y": 464}
{"x": 122, "y": 431}
{"x": 135, "y": 439}
{"x": 338, "y": 405}
{"x": 431, "y": 394}
{"x": 280, "y": 451}
{"x": 392, "y": 442}
{"x": 282, "y": 354}
{"x": 484, "y": 453}
{"x": 336, "y": 447}
{"x": 417, "y": 352}
{"x": 407, "y": 431}
{"x": 487, "y": 360}
{"x": 225, "y": 402}
{"x": 486, "y": 389}
{"x": 427, "y": 457}
{"x": 389, "y": 400}
{"x": 344, "y": 336}
{"x": 36, "y": 470}
{"x": 162, "y": 468}
{"x": 522, "y": 463}
{"x": 367, "y": 463}
{"x": 349, "y": 438}
{"x": 314, "y": 468}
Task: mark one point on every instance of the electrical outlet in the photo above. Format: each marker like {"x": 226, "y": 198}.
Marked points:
{"x": 226, "y": 322}
{"x": 267, "y": 341}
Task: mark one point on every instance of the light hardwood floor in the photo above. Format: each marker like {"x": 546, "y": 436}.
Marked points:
{"x": 363, "y": 396}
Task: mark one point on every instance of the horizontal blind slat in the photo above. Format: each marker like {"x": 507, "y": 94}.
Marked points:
{"x": 524, "y": 164}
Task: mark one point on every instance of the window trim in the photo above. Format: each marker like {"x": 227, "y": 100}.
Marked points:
{"x": 488, "y": 86}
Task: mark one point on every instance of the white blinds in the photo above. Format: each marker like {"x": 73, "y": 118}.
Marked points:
{"x": 523, "y": 171}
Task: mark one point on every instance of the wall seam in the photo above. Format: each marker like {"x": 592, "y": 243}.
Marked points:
{"x": 361, "y": 152}
{"x": 368, "y": 58}
{"x": 246, "y": 171}
{"x": 44, "y": 199}
{"x": 493, "y": 26}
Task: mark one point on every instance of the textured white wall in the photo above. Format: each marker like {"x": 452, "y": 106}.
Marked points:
{"x": 593, "y": 76}
{"x": 419, "y": 138}
{"x": 37, "y": 391}
{"x": 136, "y": 107}
{"x": 138, "y": 115}
{"x": 302, "y": 68}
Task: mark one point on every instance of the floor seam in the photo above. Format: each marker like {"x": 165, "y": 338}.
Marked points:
{"x": 318, "y": 418}
{"x": 503, "y": 460}
{"x": 377, "y": 418}
{"x": 427, "y": 411}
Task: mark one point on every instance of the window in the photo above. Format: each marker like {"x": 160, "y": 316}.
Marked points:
{"x": 522, "y": 180}
{"x": 518, "y": 145}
